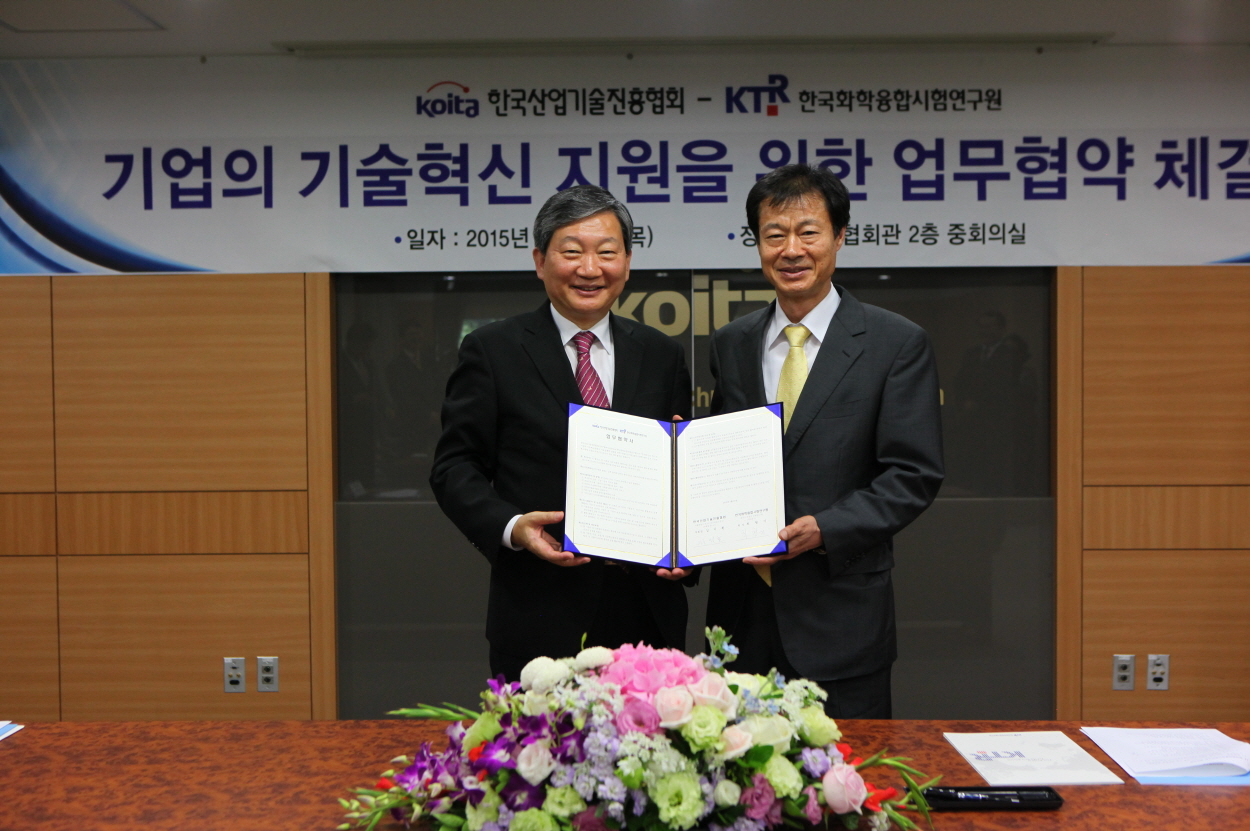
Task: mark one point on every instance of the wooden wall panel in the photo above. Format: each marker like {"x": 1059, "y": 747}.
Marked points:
{"x": 29, "y": 683}
{"x": 1187, "y": 517}
{"x": 27, "y": 523}
{"x": 26, "y": 457}
{"x": 214, "y": 522}
{"x": 143, "y": 637}
{"x": 1068, "y": 551}
{"x": 1191, "y": 605}
{"x": 1167, "y": 376}
{"x": 180, "y": 382}
{"x": 321, "y": 481}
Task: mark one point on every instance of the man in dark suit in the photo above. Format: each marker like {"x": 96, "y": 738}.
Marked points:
{"x": 863, "y": 452}
{"x": 499, "y": 469}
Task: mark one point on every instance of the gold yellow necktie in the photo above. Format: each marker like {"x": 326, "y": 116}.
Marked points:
{"x": 789, "y": 387}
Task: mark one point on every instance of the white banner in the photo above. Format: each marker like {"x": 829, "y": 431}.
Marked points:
{"x": 1125, "y": 156}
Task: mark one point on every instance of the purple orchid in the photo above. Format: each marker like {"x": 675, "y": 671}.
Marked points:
{"x": 496, "y": 755}
{"x": 520, "y": 795}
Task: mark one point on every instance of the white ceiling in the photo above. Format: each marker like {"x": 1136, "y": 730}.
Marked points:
{"x": 99, "y": 28}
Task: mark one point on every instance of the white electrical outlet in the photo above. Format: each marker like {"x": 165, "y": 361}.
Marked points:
{"x": 1157, "y": 672}
{"x": 235, "y": 680}
{"x": 1123, "y": 669}
{"x": 266, "y": 674}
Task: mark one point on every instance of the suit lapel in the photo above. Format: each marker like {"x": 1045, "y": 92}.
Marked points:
{"x": 752, "y": 361}
{"x": 628, "y": 366}
{"x": 838, "y": 352}
{"x": 541, "y": 342}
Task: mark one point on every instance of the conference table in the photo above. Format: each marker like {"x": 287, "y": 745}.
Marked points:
{"x": 255, "y": 775}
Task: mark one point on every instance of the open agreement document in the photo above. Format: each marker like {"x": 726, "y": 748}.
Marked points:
{"x": 671, "y": 494}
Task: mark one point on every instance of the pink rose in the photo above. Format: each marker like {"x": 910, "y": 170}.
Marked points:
{"x": 758, "y": 798}
{"x": 674, "y": 704}
{"x": 712, "y": 690}
{"x": 637, "y": 716}
{"x": 811, "y": 809}
{"x": 844, "y": 789}
{"x": 641, "y": 671}
{"x": 737, "y": 742}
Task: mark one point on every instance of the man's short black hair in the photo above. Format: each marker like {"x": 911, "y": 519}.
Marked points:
{"x": 575, "y": 204}
{"x": 789, "y": 184}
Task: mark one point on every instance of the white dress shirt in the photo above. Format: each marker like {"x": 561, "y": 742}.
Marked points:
{"x": 776, "y": 347}
{"x": 601, "y": 358}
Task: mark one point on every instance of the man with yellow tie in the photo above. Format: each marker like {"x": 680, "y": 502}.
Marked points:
{"x": 863, "y": 452}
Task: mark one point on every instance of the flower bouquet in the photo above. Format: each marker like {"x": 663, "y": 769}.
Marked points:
{"x": 638, "y": 738}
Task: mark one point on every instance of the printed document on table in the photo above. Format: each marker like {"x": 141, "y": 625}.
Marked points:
{"x": 8, "y": 728}
{"x": 1175, "y": 756}
{"x": 1044, "y": 757}
{"x": 731, "y": 486}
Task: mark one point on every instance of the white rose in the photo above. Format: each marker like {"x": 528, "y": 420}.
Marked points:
{"x": 745, "y": 682}
{"x": 534, "y": 763}
{"x": 727, "y": 793}
{"x": 675, "y": 705}
{"x": 592, "y": 657}
{"x": 542, "y": 674}
{"x": 774, "y": 730}
{"x": 712, "y": 690}
{"x": 737, "y": 742}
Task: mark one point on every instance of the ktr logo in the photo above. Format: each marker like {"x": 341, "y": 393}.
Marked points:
{"x": 775, "y": 90}
{"x": 452, "y": 104}
{"x": 986, "y": 756}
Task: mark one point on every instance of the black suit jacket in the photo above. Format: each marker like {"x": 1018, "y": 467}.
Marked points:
{"x": 863, "y": 455}
{"x": 502, "y": 453}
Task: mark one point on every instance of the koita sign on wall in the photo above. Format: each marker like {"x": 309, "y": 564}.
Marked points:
{"x": 1084, "y": 157}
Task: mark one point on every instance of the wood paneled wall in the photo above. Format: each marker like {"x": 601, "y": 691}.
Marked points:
{"x": 1153, "y": 490}
{"x": 157, "y": 434}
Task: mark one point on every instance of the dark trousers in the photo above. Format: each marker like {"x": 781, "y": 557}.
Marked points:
{"x": 760, "y": 649}
{"x": 624, "y": 616}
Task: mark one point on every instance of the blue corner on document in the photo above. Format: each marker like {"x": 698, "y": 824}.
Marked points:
{"x": 667, "y": 561}
{"x": 775, "y": 409}
{"x": 667, "y": 425}
{"x": 779, "y": 548}
{"x": 574, "y": 408}
{"x": 568, "y": 545}
{"x": 681, "y": 426}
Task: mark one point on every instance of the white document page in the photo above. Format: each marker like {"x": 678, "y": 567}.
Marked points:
{"x": 618, "y": 497}
{"x": 731, "y": 486}
{"x": 1173, "y": 751}
{"x": 1045, "y": 757}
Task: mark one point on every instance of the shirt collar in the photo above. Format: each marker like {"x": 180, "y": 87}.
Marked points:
{"x": 602, "y": 329}
{"x": 817, "y": 320}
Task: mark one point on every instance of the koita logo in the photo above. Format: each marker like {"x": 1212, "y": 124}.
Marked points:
{"x": 775, "y": 89}
{"x": 449, "y": 104}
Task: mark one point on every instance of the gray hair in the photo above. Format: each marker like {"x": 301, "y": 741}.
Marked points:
{"x": 575, "y": 204}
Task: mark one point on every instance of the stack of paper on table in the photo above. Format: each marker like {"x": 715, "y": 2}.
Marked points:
{"x": 8, "y": 728}
{"x": 1045, "y": 757}
{"x": 1175, "y": 756}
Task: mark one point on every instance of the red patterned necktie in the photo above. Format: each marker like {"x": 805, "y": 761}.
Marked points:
{"x": 588, "y": 383}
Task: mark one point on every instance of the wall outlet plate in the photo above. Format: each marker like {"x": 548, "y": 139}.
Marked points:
{"x": 235, "y": 675}
{"x": 1157, "y": 667}
{"x": 1123, "y": 670}
{"x": 266, "y": 673}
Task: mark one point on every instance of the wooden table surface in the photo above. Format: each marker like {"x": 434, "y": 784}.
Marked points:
{"x": 287, "y": 775}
